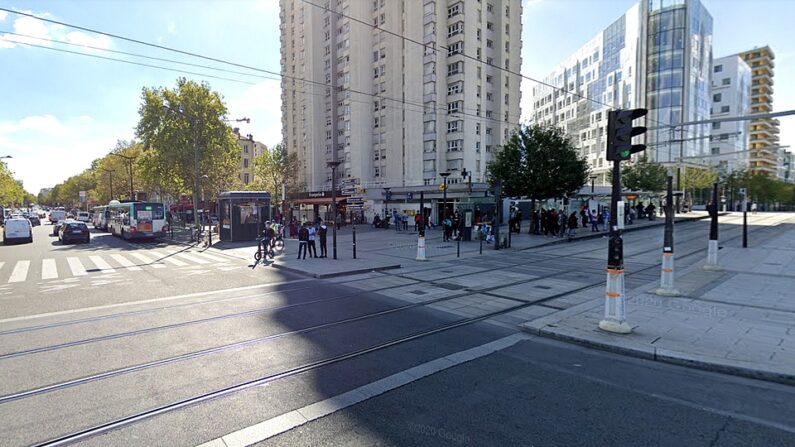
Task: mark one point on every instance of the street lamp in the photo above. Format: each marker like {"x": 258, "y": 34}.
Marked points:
{"x": 110, "y": 180}
{"x": 444, "y": 194}
{"x": 333, "y": 165}
{"x": 130, "y": 167}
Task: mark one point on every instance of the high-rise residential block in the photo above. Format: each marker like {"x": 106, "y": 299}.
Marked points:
{"x": 657, "y": 55}
{"x": 731, "y": 92}
{"x": 249, "y": 150}
{"x": 398, "y": 91}
{"x": 764, "y": 139}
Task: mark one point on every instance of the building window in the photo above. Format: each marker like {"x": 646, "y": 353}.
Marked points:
{"x": 455, "y": 145}
{"x": 715, "y": 151}
{"x": 376, "y": 171}
{"x": 455, "y": 28}
{"x": 454, "y": 107}
{"x": 456, "y": 88}
{"x": 506, "y": 99}
{"x": 717, "y": 97}
{"x": 454, "y": 10}
{"x": 376, "y": 121}
{"x": 718, "y": 68}
{"x": 489, "y": 7}
{"x": 488, "y": 79}
{"x": 724, "y": 109}
{"x": 456, "y": 48}
{"x": 489, "y": 26}
{"x": 488, "y": 96}
{"x": 507, "y": 47}
{"x": 454, "y": 126}
{"x": 489, "y": 43}
{"x": 716, "y": 125}
{"x": 455, "y": 68}
{"x": 245, "y": 162}
{"x": 245, "y": 178}
{"x": 726, "y": 81}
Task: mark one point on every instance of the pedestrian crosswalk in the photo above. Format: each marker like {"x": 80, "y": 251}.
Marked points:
{"x": 107, "y": 264}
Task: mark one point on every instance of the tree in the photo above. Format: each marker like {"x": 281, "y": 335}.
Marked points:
{"x": 644, "y": 175}
{"x": 697, "y": 180}
{"x": 183, "y": 128}
{"x": 272, "y": 168}
{"x": 540, "y": 163}
{"x": 11, "y": 189}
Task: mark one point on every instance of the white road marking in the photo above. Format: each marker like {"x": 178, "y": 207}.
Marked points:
{"x": 101, "y": 264}
{"x": 212, "y": 257}
{"x": 48, "y": 269}
{"x": 129, "y": 265}
{"x": 168, "y": 258}
{"x": 288, "y": 421}
{"x": 76, "y": 266}
{"x": 2, "y": 264}
{"x": 20, "y": 271}
{"x": 151, "y": 300}
{"x": 192, "y": 258}
{"x": 148, "y": 261}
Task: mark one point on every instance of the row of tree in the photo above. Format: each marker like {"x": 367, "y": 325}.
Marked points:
{"x": 12, "y": 193}
{"x": 183, "y": 141}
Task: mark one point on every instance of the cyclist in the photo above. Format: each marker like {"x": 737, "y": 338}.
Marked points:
{"x": 269, "y": 236}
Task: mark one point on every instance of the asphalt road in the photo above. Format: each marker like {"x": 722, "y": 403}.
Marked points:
{"x": 130, "y": 336}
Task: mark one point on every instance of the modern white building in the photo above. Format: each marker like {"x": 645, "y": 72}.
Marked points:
{"x": 786, "y": 166}
{"x": 398, "y": 91}
{"x": 657, "y": 55}
{"x": 731, "y": 97}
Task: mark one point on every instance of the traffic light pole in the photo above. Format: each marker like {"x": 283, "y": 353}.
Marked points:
{"x": 667, "y": 275}
{"x": 615, "y": 319}
{"x": 712, "y": 248}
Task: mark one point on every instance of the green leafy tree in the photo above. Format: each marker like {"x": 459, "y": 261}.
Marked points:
{"x": 183, "y": 129}
{"x": 272, "y": 168}
{"x": 11, "y": 190}
{"x": 644, "y": 175}
{"x": 540, "y": 163}
{"x": 697, "y": 182}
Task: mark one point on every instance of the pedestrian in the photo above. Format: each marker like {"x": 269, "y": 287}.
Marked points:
{"x": 594, "y": 221}
{"x": 447, "y": 224}
{"x": 338, "y": 220}
{"x": 573, "y": 224}
{"x": 303, "y": 238}
{"x": 535, "y": 227}
{"x": 562, "y": 221}
{"x": 311, "y": 241}
{"x": 417, "y": 217}
{"x": 543, "y": 220}
{"x": 650, "y": 211}
{"x": 405, "y": 220}
{"x": 293, "y": 228}
{"x": 584, "y": 215}
{"x": 456, "y": 222}
{"x": 518, "y": 221}
{"x": 396, "y": 219}
{"x": 321, "y": 233}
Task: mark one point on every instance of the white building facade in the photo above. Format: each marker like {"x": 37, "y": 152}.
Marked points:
{"x": 398, "y": 91}
{"x": 731, "y": 97}
{"x": 658, "y": 55}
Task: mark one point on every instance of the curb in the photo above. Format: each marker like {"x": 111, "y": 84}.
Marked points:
{"x": 335, "y": 274}
{"x": 664, "y": 356}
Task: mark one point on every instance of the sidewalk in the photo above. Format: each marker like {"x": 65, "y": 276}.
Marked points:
{"x": 740, "y": 321}
{"x": 380, "y": 249}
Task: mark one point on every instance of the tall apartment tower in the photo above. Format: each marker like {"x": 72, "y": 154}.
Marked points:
{"x": 398, "y": 91}
{"x": 658, "y": 56}
{"x": 764, "y": 132}
{"x": 731, "y": 91}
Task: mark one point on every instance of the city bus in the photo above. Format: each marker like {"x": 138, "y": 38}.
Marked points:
{"x": 100, "y": 217}
{"x": 137, "y": 220}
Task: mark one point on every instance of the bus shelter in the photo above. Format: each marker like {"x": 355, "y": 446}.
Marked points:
{"x": 243, "y": 214}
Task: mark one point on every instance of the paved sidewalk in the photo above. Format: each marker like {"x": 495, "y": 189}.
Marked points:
{"x": 379, "y": 249}
{"x": 739, "y": 321}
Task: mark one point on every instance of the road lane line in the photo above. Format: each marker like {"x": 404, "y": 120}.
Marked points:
{"x": 290, "y": 420}
{"x": 168, "y": 258}
{"x": 76, "y": 267}
{"x": 102, "y": 264}
{"x": 48, "y": 269}
{"x": 151, "y": 300}
{"x": 212, "y": 257}
{"x": 126, "y": 263}
{"x": 192, "y": 258}
{"x": 148, "y": 261}
{"x": 2, "y": 264}
{"x": 20, "y": 271}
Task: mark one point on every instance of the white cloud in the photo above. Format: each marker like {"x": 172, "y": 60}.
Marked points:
{"x": 262, "y": 103}
{"x": 44, "y": 124}
{"x": 3, "y": 15}
{"x": 34, "y": 31}
{"x": 172, "y": 28}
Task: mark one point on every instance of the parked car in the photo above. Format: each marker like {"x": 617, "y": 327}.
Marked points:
{"x": 17, "y": 230}
{"x": 34, "y": 220}
{"x": 74, "y": 230}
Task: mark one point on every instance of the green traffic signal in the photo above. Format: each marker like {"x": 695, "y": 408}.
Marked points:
{"x": 620, "y": 132}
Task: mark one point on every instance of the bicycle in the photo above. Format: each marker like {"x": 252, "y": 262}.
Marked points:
{"x": 270, "y": 253}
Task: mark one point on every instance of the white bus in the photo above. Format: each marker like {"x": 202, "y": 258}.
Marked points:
{"x": 137, "y": 220}
{"x": 100, "y": 217}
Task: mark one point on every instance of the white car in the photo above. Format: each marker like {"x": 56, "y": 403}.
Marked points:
{"x": 83, "y": 216}
{"x": 17, "y": 230}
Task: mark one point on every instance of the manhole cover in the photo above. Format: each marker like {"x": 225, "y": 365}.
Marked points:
{"x": 543, "y": 287}
{"x": 449, "y": 286}
{"x": 418, "y": 292}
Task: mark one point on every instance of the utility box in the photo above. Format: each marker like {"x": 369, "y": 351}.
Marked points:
{"x": 243, "y": 214}
{"x": 468, "y": 220}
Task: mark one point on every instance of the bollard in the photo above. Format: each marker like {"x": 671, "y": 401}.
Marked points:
{"x": 667, "y": 275}
{"x": 712, "y": 248}
{"x": 354, "y": 242}
{"x": 458, "y": 248}
{"x": 615, "y": 306}
{"x": 421, "y": 248}
{"x": 480, "y": 236}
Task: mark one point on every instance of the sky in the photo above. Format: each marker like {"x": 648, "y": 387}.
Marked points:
{"x": 60, "y": 111}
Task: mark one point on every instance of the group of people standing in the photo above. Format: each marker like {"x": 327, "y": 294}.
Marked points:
{"x": 554, "y": 223}
{"x": 308, "y": 234}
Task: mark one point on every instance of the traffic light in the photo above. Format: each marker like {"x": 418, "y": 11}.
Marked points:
{"x": 620, "y": 132}
{"x": 389, "y": 195}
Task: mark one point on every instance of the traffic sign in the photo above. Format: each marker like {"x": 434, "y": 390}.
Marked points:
{"x": 355, "y": 207}
{"x": 349, "y": 181}
{"x": 348, "y": 191}
{"x": 355, "y": 200}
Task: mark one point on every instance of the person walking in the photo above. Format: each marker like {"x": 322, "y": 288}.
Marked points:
{"x": 405, "y": 220}
{"x": 311, "y": 241}
{"x": 456, "y": 222}
{"x": 293, "y": 228}
{"x": 321, "y": 233}
{"x": 396, "y": 219}
{"x": 563, "y": 223}
{"x": 594, "y": 221}
{"x": 536, "y": 226}
{"x": 584, "y": 216}
{"x": 303, "y": 239}
{"x": 417, "y": 217}
{"x": 573, "y": 223}
{"x": 650, "y": 211}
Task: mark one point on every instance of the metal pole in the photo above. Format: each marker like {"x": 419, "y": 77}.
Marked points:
{"x": 667, "y": 275}
{"x": 745, "y": 224}
{"x": 458, "y": 248}
{"x": 132, "y": 191}
{"x": 334, "y": 165}
{"x": 497, "y": 201}
{"x": 615, "y": 306}
{"x": 712, "y": 249}
{"x": 354, "y": 240}
{"x": 421, "y": 235}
